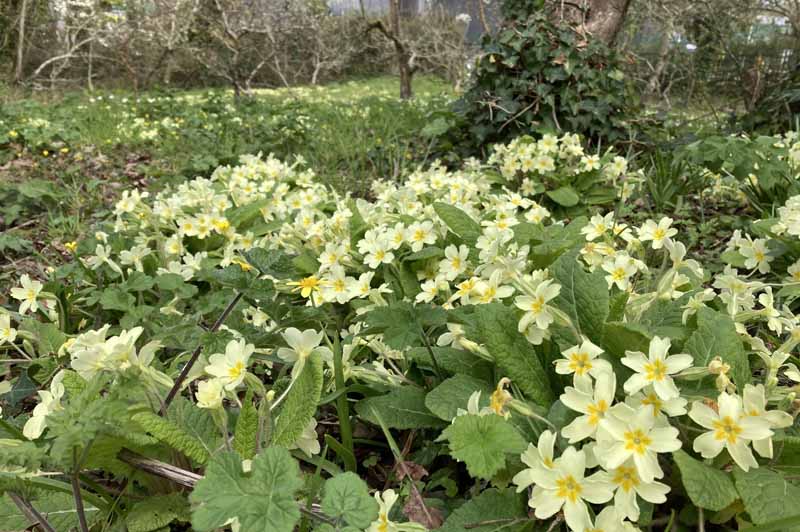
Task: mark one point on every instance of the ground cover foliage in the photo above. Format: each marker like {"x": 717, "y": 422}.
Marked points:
{"x": 550, "y": 337}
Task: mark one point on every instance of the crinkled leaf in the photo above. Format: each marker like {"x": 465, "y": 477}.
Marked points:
{"x": 300, "y": 403}
{"x": 454, "y": 393}
{"x": 767, "y": 496}
{"x": 716, "y": 336}
{"x": 583, "y": 297}
{"x": 58, "y": 508}
{"x": 458, "y": 222}
{"x": 156, "y": 512}
{"x": 168, "y": 432}
{"x": 402, "y": 408}
{"x": 246, "y": 431}
{"x": 707, "y": 487}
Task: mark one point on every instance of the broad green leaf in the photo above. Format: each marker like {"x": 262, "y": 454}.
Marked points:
{"x": 497, "y": 508}
{"x": 716, "y": 336}
{"x": 515, "y": 356}
{"x": 458, "y": 222}
{"x": 300, "y": 403}
{"x": 157, "y": 512}
{"x": 347, "y": 497}
{"x": 402, "y": 408}
{"x": 58, "y": 508}
{"x": 271, "y": 262}
{"x": 620, "y": 337}
{"x": 767, "y": 496}
{"x": 453, "y": 361}
{"x": 262, "y": 500}
{"x": 454, "y": 393}
{"x": 482, "y": 442}
{"x": 707, "y": 487}
{"x": 246, "y": 431}
{"x": 583, "y": 297}
{"x": 665, "y": 318}
{"x": 564, "y": 196}
{"x": 396, "y": 322}
{"x": 49, "y": 337}
{"x": 196, "y": 422}
{"x": 168, "y": 432}
{"x": 115, "y": 298}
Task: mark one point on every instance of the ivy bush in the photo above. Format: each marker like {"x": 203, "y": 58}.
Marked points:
{"x": 535, "y": 74}
{"x": 255, "y": 351}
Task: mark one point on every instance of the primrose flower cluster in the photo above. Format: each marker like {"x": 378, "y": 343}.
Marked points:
{"x": 451, "y": 240}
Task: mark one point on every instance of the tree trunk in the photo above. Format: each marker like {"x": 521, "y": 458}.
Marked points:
{"x": 605, "y": 18}
{"x": 21, "y": 42}
{"x": 654, "y": 84}
{"x": 404, "y": 66}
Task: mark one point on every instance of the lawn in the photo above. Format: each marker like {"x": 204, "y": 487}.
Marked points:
{"x": 66, "y": 159}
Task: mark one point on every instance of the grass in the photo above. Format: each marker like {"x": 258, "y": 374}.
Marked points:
{"x": 66, "y": 156}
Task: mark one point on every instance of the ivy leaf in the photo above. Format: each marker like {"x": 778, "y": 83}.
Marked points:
{"x": 716, "y": 336}
{"x": 347, "y": 496}
{"x": 706, "y": 486}
{"x": 482, "y": 442}
{"x": 491, "y": 505}
{"x": 402, "y": 408}
{"x": 157, "y": 512}
{"x": 300, "y": 403}
{"x": 458, "y": 222}
{"x": 452, "y": 394}
{"x": 583, "y": 297}
{"x": 767, "y": 496}
{"x": 262, "y": 500}
{"x": 168, "y": 432}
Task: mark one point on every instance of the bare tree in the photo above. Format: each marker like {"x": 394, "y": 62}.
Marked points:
{"x": 404, "y": 58}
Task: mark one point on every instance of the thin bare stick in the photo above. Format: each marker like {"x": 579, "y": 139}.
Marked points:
{"x": 159, "y": 468}
{"x": 195, "y": 355}
{"x": 30, "y": 512}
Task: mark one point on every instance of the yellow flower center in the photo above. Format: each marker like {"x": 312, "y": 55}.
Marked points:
{"x": 456, "y": 263}
{"x": 580, "y": 363}
{"x": 597, "y": 412}
{"x": 568, "y": 488}
{"x": 759, "y": 255}
{"x": 419, "y": 235}
{"x": 727, "y": 429}
{"x": 30, "y": 294}
{"x": 655, "y": 371}
{"x": 626, "y": 478}
{"x": 637, "y": 441}
{"x": 236, "y": 370}
{"x": 652, "y": 400}
{"x": 659, "y": 234}
{"x": 537, "y": 305}
{"x": 338, "y": 285}
{"x": 380, "y": 254}
{"x": 618, "y": 274}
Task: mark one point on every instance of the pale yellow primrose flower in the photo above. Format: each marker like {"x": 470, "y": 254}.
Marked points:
{"x": 583, "y": 362}
{"x": 27, "y": 293}
{"x": 301, "y": 346}
{"x": 729, "y": 428}
{"x": 210, "y": 393}
{"x": 49, "y": 402}
{"x": 593, "y": 403}
{"x": 7, "y": 333}
{"x": 656, "y": 368}
{"x": 385, "y": 501}
{"x": 565, "y": 487}
{"x": 231, "y": 367}
{"x": 627, "y": 433}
